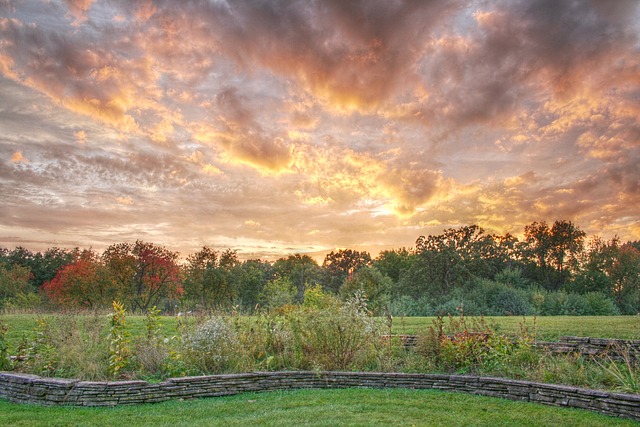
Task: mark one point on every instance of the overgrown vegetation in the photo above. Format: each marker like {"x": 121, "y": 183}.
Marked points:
{"x": 323, "y": 333}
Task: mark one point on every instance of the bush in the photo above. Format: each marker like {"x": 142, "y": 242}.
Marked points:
{"x": 404, "y": 306}
{"x": 499, "y": 299}
{"x": 211, "y": 347}
{"x": 472, "y": 345}
{"x": 340, "y": 337}
{"x": 601, "y": 305}
{"x": 562, "y": 303}
{"x": 5, "y": 362}
{"x": 458, "y": 306}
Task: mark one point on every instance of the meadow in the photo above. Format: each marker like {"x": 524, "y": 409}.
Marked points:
{"x": 81, "y": 346}
{"x": 546, "y": 328}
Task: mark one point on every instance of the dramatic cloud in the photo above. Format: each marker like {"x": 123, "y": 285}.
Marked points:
{"x": 301, "y": 126}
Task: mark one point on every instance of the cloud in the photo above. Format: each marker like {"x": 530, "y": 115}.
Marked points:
{"x": 17, "y": 157}
{"x": 78, "y": 9}
{"x": 331, "y": 124}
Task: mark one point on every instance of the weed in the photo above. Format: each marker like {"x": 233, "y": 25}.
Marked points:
{"x": 625, "y": 372}
{"x": 5, "y": 362}
{"x": 211, "y": 346}
{"x": 119, "y": 351}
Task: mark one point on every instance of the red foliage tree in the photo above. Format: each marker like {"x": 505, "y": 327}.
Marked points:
{"x": 80, "y": 284}
{"x": 144, "y": 273}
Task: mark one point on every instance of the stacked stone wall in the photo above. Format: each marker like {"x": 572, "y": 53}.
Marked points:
{"x": 26, "y": 388}
{"x": 617, "y": 349}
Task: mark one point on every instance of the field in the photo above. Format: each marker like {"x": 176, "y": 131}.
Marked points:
{"x": 349, "y": 407}
{"x": 316, "y": 408}
{"x": 547, "y": 328}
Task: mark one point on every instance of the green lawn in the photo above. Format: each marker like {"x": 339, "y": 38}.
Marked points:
{"x": 353, "y": 407}
{"x": 547, "y": 328}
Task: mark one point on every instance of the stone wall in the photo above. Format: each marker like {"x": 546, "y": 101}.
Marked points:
{"x": 51, "y": 391}
{"x": 586, "y": 346}
{"x": 617, "y": 349}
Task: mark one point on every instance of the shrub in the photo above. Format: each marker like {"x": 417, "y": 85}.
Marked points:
{"x": 316, "y": 298}
{"x": 499, "y": 299}
{"x": 576, "y": 305}
{"x": 210, "y": 348}
{"x": 457, "y": 306}
{"x": 472, "y": 345}
{"x": 277, "y": 293}
{"x": 152, "y": 352}
{"x": 5, "y": 362}
{"x": 601, "y": 305}
{"x": 338, "y": 337}
{"x": 374, "y": 285}
{"x": 119, "y": 351}
{"x": 404, "y": 306}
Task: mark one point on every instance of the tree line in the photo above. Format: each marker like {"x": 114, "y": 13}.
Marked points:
{"x": 553, "y": 270}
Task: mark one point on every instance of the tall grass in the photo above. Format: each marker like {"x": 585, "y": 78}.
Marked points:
{"x": 332, "y": 336}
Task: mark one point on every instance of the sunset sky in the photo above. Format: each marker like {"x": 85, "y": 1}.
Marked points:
{"x": 277, "y": 127}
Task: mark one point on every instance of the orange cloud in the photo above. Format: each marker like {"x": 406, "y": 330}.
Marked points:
{"x": 17, "y": 157}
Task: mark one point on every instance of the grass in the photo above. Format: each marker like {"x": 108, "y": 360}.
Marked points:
{"x": 548, "y": 328}
{"x": 351, "y": 407}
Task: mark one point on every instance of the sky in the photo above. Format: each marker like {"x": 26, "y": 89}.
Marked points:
{"x": 278, "y": 127}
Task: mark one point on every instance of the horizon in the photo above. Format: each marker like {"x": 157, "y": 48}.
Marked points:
{"x": 279, "y": 128}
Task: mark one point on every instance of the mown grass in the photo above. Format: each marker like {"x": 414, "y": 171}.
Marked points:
{"x": 547, "y": 328}
{"x": 350, "y": 407}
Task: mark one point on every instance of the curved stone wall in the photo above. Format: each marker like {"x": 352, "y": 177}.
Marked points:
{"x": 53, "y": 391}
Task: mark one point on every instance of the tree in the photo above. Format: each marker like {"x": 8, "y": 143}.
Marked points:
{"x": 338, "y": 266}
{"x": 81, "y": 284}
{"x": 596, "y": 265}
{"x": 43, "y": 266}
{"x": 277, "y": 293}
{"x": 144, "y": 273}
{"x": 567, "y": 243}
{"x": 393, "y": 263}
{"x": 451, "y": 259}
{"x": 301, "y": 270}
{"x": 552, "y": 250}
{"x": 375, "y": 285}
{"x": 199, "y": 278}
{"x": 625, "y": 277}
{"x": 14, "y": 281}
{"x": 208, "y": 278}
{"x": 250, "y": 278}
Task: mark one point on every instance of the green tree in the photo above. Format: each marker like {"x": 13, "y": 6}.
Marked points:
{"x": 209, "y": 279}
{"x": 448, "y": 261}
{"x": 375, "y": 286}
{"x": 43, "y": 266}
{"x": 552, "y": 252}
{"x": 250, "y": 277}
{"x": 277, "y": 293}
{"x": 338, "y": 266}
{"x": 301, "y": 270}
{"x": 14, "y": 281}
{"x": 393, "y": 263}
